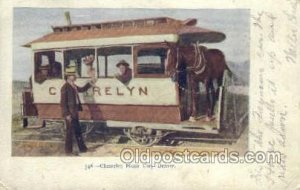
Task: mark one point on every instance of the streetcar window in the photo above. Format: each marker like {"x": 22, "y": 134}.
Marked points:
{"x": 109, "y": 57}
{"x": 48, "y": 65}
{"x": 151, "y": 61}
{"x": 82, "y": 59}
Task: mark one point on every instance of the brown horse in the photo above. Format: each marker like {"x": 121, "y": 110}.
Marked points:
{"x": 202, "y": 65}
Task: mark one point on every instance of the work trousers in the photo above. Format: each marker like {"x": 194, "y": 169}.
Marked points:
{"x": 73, "y": 126}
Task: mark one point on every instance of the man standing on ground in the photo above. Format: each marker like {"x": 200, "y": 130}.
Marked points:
{"x": 71, "y": 105}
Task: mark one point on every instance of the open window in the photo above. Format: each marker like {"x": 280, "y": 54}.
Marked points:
{"x": 109, "y": 57}
{"x": 82, "y": 59}
{"x": 150, "y": 61}
{"x": 48, "y": 65}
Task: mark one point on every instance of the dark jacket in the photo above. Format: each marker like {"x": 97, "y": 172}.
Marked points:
{"x": 68, "y": 99}
{"x": 126, "y": 77}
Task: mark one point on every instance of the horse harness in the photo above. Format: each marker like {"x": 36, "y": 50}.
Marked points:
{"x": 200, "y": 60}
{"x": 199, "y": 64}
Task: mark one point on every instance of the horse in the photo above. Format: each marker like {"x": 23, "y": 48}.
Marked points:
{"x": 202, "y": 65}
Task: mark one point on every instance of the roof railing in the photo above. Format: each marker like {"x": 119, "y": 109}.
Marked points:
{"x": 113, "y": 25}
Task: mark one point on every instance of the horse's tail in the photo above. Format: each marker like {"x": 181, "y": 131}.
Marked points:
{"x": 228, "y": 69}
{"x": 223, "y": 59}
{"x": 230, "y": 72}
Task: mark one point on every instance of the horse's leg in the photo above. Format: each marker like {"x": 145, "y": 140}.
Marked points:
{"x": 194, "y": 100}
{"x": 210, "y": 99}
{"x": 213, "y": 98}
{"x": 220, "y": 82}
{"x": 196, "y": 97}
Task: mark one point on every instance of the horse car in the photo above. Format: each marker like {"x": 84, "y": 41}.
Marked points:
{"x": 161, "y": 96}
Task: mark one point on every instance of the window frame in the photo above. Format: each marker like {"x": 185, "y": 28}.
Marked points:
{"x": 35, "y": 65}
{"x": 76, "y": 48}
{"x": 136, "y": 49}
{"x": 106, "y": 61}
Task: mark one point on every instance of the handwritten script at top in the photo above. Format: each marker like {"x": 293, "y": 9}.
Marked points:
{"x": 272, "y": 116}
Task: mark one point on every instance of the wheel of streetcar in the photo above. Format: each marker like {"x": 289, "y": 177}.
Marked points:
{"x": 144, "y": 136}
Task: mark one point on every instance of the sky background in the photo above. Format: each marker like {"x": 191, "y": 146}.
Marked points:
{"x": 32, "y": 23}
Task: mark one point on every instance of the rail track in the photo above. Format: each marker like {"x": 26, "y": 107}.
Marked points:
{"x": 50, "y": 142}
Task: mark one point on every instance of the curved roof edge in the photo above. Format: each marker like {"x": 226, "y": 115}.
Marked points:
{"x": 185, "y": 29}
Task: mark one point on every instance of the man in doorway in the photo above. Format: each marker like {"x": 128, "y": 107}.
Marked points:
{"x": 56, "y": 70}
{"x": 125, "y": 73}
{"x": 71, "y": 105}
{"x": 43, "y": 73}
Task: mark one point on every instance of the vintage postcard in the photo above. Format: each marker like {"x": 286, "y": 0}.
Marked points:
{"x": 150, "y": 95}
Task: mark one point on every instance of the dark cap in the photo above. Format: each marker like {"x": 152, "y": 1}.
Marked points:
{"x": 122, "y": 62}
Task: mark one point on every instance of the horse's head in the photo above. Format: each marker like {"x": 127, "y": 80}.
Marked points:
{"x": 172, "y": 63}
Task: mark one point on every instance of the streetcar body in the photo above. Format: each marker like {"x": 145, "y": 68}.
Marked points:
{"x": 151, "y": 98}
